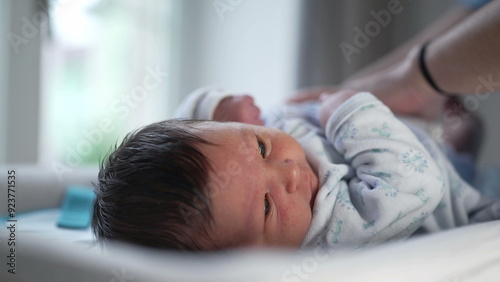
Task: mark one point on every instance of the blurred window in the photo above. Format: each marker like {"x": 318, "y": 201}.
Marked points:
{"x": 105, "y": 72}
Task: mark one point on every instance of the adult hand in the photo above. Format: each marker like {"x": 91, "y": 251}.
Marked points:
{"x": 238, "y": 108}
{"x": 331, "y": 102}
{"x": 402, "y": 88}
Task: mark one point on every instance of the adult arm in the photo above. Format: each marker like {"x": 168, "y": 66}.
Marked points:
{"x": 447, "y": 21}
{"x": 465, "y": 60}
{"x": 460, "y": 60}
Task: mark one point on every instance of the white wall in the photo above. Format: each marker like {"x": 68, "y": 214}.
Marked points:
{"x": 21, "y": 85}
{"x": 243, "y": 46}
{"x": 4, "y": 8}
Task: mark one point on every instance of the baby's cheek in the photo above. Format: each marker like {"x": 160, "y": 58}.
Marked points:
{"x": 299, "y": 221}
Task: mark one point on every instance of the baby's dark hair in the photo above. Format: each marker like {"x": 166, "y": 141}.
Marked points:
{"x": 152, "y": 190}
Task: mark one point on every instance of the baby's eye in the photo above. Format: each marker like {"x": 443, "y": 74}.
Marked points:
{"x": 262, "y": 148}
{"x": 266, "y": 206}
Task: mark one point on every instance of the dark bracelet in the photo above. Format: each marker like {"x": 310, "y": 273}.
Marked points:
{"x": 425, "y": 71}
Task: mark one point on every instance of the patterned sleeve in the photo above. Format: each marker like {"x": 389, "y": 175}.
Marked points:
{"x": 395, "y": 184}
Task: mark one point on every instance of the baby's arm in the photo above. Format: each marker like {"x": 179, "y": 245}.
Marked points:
{"x": 395, "y": 183}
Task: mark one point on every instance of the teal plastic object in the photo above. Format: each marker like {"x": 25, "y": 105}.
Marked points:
{"x": 76, "y": 209}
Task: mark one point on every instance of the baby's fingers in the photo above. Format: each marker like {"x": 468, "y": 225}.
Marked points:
{"x": 345, "y": 92}
{"x": 310, "y": 94}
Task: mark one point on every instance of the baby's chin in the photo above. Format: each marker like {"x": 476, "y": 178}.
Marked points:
{"x": 315, "y": 189}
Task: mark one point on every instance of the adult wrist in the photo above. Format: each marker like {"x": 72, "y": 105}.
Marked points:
{"x": 417, "y": 96}
{"x": 426, "y": 74}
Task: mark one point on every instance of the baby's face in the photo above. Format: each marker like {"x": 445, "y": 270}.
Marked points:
{"x": 262, "y": 188}
{"x": 239, "y": 108}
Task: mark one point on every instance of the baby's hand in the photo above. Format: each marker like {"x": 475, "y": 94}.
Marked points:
{"x": 331, "y": 102}
{"x": 310, "y": 93}
{"x": 238, "y": 108}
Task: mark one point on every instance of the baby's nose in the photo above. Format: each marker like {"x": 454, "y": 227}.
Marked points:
{"x": 291, "y": 174}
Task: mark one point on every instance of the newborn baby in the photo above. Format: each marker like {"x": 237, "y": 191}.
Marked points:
{"x": 360, "y": 179}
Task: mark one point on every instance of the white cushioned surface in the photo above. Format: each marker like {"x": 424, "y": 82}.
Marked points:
{"x": 44, "y": 223}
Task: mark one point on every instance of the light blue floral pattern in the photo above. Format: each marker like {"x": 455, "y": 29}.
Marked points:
{"x": 415, "y": 161}
{"x": 383, "y": 131}
{"x": 348, "y": 131}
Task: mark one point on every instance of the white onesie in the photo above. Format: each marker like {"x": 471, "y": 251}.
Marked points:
{"x": 379, "y": 180}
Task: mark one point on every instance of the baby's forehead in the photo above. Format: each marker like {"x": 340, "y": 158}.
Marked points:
{"x": 212, "y": 127}
{"x": 205, "y": 128}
